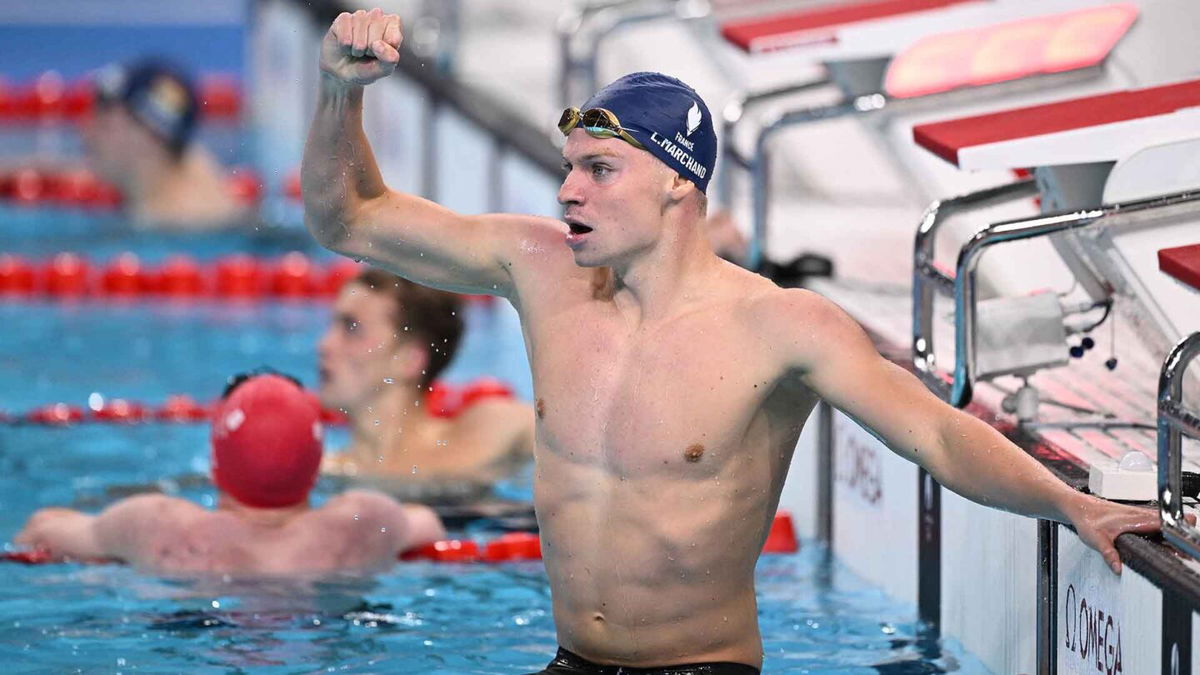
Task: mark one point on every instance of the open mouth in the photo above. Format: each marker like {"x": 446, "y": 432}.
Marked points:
{"x": 578, "y": 228}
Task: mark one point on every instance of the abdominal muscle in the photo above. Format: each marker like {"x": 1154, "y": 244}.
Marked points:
{"x": 653, "y": 570}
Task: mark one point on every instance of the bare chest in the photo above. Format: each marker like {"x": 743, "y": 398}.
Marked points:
{"x": 634, "y": 401}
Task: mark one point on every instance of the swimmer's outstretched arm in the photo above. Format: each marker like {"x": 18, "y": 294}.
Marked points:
{"x": 839, "y": 362}
{"x": 63, "y": 533}
{"x": 349, "y": 209}
{"x": 113, "y": 534}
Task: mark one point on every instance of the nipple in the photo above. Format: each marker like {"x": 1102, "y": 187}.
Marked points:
{"x": 539, "y": 407}
{"x": 694, "y": 452}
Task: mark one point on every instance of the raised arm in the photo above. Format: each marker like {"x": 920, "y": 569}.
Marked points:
{"x": 960, "y": 451}
{"x": 350, "y": 210}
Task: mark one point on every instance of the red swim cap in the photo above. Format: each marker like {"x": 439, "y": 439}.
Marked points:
{"x": 266, "y": 442}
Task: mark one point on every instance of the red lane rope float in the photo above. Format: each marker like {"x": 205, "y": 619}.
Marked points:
{"x": 68, "y": 275}
{"x": 442, "y": 399}
{"x": 50, "y": 97}
{"x": 76, "y": 188}
{"x": 80, "y": 188}
{"x": 508, "y": 547}
{"x": 292, "y": 276}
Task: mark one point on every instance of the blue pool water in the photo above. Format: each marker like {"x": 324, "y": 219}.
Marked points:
{"x": 419, "y": 618}
{"x": 145, "y": 351}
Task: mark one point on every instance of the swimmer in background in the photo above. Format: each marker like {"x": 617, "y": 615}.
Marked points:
{"x": 140, "y": 138}
{"x": 266, "y": 450}
{"x": 672, "y": 385}
{"x": 388, "y": 341}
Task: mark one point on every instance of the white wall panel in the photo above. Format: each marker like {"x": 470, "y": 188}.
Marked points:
{"x": 989, "y": 583}
{"x": 875, "y": 510}
{"x": 1106, "y": 624}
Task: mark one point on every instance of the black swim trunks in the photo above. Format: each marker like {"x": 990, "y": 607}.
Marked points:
{"x": 568, "y": 663}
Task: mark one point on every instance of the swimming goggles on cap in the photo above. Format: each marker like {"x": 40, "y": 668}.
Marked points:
{"x": 238, "y": 380}
{"x": 598, "y": 123}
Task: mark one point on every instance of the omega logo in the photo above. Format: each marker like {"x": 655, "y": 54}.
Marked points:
{"x": 859, "y": 468}
{"x": 1092, "y": 634}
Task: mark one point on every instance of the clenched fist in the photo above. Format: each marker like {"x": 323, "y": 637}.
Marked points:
{"x": 361, "y": 47}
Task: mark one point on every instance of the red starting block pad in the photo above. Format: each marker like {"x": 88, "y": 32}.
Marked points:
{"x": 819, "y": 25}
{"x": 1182, "y": 263}
{"x": 1101, "y": 128}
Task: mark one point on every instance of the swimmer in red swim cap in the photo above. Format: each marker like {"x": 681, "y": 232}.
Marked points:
{"x": 266, "y": 451}
{"x": 266, "y": 442}
{"x": 387, "y": 342}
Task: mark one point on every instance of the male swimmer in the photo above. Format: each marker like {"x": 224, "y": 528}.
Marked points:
{"x": 388, "y": 341}
{"x": 266, "y": 450}
{"x": 140, "y": 138}
{"x": 671, "y": 387}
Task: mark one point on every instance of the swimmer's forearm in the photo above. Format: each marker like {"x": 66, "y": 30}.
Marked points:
{"x": 339, "y": 171}
{"x": 64, "y": 533}
{"x": 979, "y": 463}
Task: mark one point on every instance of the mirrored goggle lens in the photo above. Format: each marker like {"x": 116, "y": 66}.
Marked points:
{"x": 570, "y": 117}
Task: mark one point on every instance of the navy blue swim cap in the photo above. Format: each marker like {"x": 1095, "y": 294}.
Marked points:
{"x": 158, "y": 94}
{"x": 666, "y": 116}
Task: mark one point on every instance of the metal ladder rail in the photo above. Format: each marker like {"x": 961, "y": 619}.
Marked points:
{"x": 962, "y": 383}
{"x": 1173, "y": 422}
{"x": 928, "y": 279}
{"x": 732, "y": 116}
{"x": 869, "y": 103}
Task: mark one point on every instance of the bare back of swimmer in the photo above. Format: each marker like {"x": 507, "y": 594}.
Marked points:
{"x": 266, "y": 453}
{"x": 671, "y": 386}
{"x": 354, "y": 532}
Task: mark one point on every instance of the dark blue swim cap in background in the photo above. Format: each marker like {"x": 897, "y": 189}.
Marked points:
{"x": 157, "y": 93}
{"x": 666, "y": 116}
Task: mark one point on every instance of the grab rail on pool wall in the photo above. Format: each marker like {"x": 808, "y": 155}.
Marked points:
{"x": 1174, "y": 421}
{"x": 732, "y": 116}
{"x": 926, "y": 278}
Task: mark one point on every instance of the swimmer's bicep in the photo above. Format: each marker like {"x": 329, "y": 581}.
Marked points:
{"x": 432, "y": 245}
{"x": 122, "y": 530}
{"x": 842, "y": 366}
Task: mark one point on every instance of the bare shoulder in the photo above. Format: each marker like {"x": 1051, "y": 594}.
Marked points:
{"x": 360, "y": 505}
{"x": 802, "y": 326}
{"x": 528, "y": 239}
{"x": 156, "y": 506}
{"x": 782, "y": 307}
{"x": 126, "y": 529}
{"x": 536, "y": 250}
{"x": 500, "y": 423}
{"x": 494, "y": 412}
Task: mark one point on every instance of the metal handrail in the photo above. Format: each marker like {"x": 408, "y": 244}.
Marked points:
{"x": 1173, "y": 422}
{"x": 863, "y": 104}
{"x": 962, "y": 384}
{"x": 927, "y": 278}
{"x": 759, "y": 165}
{"x": 595, "y": 26}
{"x": 731, "y": 117}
